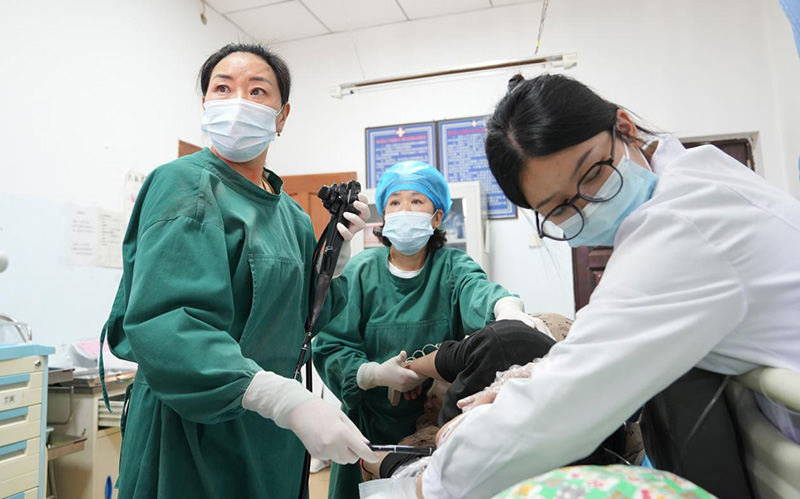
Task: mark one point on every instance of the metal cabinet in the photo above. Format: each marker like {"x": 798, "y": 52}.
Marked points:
{"x": 23, "y": 405}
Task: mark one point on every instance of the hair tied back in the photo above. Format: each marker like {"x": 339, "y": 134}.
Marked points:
{"x": 514, "y": 81}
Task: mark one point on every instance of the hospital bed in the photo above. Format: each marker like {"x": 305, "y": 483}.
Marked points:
{"x": 772, "y": 460}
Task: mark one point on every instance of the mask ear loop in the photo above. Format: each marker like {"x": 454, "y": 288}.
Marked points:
{"x": 628, "y": 154}
{"x": 644, "y": 147}
{"x": 649, "y": 141}
{"x": 435, "y": 211}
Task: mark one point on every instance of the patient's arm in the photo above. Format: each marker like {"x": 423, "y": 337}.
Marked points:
{"x": 425, "y": 366}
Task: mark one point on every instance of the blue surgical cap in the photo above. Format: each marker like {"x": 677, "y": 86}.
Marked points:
{"x": 414, "y": 176}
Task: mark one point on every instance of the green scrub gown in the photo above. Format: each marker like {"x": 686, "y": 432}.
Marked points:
{"x": 214, "y": 289}
{"x": 385, "y": 314}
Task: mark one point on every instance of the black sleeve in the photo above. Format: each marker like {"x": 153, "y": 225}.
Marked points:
{"x": 451, "y": 358}
{"x": 394, "y": 460}
{"x": 471, "y": 364}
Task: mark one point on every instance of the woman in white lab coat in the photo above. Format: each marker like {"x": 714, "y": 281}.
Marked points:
{"x": 705, "y": 273}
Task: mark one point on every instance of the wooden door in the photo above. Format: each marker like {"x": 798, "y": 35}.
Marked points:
{"x": 589, "y": 262}
{"x": 304, "y": 189}
{"x": 588, "y": 265}
{"x": 738, "y": 149}
{"x": 186, "y": 148}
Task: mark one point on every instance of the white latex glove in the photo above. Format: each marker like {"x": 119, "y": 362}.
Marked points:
{"x": 391, "y": 373}
{"x": 328, "y": 433}
{"x": 325, "y": 431}
{"x": 344, "y": 257}
{"x": 511, "y": 308}
{"x": 357, "y": 222}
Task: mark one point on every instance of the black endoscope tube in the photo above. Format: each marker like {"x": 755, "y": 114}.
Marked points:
{"x": 404, "y": 449}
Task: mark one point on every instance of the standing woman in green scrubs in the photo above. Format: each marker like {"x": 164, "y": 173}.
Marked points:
{"x": 212, "y": 306}
{"x": 410, "y": 294}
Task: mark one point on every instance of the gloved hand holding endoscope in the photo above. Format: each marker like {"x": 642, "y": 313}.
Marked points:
{"x": 328, "y": 433}
{"x": 325, "y": 431}
{"x": 356, "y": 222}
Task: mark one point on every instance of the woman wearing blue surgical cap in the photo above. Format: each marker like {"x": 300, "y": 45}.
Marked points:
{"x": 401, "y": 298}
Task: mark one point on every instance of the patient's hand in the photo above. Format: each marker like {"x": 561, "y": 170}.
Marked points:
{"x": 413, "y": 394}
{"x": 488, "y": 394}
{"x": 424, "y": 366}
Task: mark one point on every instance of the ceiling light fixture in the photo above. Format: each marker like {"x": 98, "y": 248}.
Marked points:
{"x": 566, "y": 61}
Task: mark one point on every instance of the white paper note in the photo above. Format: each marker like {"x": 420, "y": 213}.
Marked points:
{"x": 109, "y": 239}
{"x": 95, "y": 237}
{"x": 82, "y": 240}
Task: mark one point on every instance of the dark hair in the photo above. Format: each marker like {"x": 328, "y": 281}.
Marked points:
{"x": 539, "y": 117}
{"x": 437, "y": 240}
{"x": 275, "y": 61}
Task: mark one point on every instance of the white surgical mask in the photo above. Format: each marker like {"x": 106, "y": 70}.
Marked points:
{"x": 408, "y": 231}
{"x": 602, "y": 219}
{"x": 239, "y": 129}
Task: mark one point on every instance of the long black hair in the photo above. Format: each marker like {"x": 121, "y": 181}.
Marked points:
{"x": 540, "y": 117}
{"x": 275, "y": 61}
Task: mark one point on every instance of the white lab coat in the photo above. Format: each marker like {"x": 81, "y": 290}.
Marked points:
{"x": 706, "y": 274}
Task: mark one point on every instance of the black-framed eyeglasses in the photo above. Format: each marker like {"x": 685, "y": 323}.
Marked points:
{"x": 601, "y": 182}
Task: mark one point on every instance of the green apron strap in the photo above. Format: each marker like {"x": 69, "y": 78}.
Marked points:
{"x": 102, "y": 370}
{"x": 123, "y": 420}
{"x": 126, "y": 402}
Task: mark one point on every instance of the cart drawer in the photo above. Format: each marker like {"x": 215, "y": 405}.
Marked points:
{"x": 28, "y": 494}
{"x": 20, "y": 424}
{"x": 23, "y": 365}
{"x": 20, "y": 483}
{"x": 19, "y": 459}
{"x": 20, "y": 390}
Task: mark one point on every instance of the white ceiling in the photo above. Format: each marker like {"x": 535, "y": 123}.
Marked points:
{"x": 273, "y": 21}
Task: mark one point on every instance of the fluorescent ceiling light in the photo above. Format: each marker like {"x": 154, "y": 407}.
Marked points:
{"x": 565, "y": 61}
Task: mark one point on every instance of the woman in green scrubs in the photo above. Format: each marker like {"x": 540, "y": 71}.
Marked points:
{"x": 212, "y": 305}
{"x": 413, "y": 293}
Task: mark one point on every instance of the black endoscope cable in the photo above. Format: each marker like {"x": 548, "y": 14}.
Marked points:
{"x": 337, "y": 199}
{"x": 703, "y": 416}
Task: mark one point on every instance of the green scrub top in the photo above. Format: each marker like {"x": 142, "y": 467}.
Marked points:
{"x": 214, "y": 289}
{"x": 385, "y": 314}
